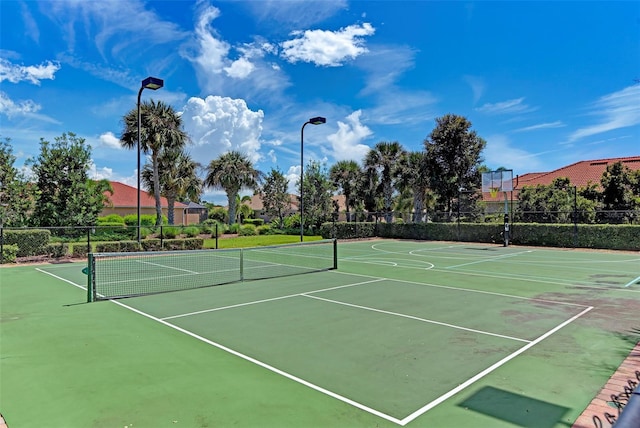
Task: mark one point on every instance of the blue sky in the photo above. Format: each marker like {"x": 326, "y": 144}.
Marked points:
{"x": 546, "y": 84}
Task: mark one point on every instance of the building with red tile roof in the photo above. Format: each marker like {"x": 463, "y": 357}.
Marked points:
{"x": 124, "y": 201}
{"x": 580, "y": 173}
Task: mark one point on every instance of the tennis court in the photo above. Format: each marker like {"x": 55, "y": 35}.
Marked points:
{"x": 402, "y": 333}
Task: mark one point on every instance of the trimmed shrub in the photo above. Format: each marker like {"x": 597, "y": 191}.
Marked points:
{"x": 264, "y": 230}
{"x": 144, "y": 232}
{"x": 191, "y": 231}
{"x": 108, "y": 247}
{"x": 111, "y": 218}
{"x": 129, "y": 246}
{"x": 247, "y": 230}
{"x": 148, "y": 220}
{"x": 57, "y": 249}
{"x": 234, "y": 228}
{"x": 173, "y": 244}
{"x": 153, "y": 244}
{"x": 193, "y": 244}
{"x": 254, "y": 221}
{"x": 79, "y": 250}
{"x": 170, "y": 232}
{"x": 32, "y": 242}
{"x": 9, "y": 253}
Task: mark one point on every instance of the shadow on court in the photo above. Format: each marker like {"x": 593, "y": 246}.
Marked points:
{"x": 515, "y": 408}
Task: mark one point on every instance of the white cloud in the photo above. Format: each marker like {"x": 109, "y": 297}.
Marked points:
{"x": 509, "y": 106}
{"x": 221, "y": 124}
{"x": 240, "y": 68}
{"x": 548, "y": 125}
{"x": 617, "y": 110}
{"x": 110, "y": 140}
{"x": 32, "y": 73}
{"x": 346, "y": 143}
{"x": 212, "y": 51}
{"x": 499, "y": 152}
{"x": 96, "y": 173}
{"x": 293, "y": 175}
{"x": 477, "y": 86}
{"x": 327, "y": 48}
{"x": 246, "y": 76}
{"x": 296, "y": 13}
{"x": 11, "y": 109}
{"x": 122, "y": 29}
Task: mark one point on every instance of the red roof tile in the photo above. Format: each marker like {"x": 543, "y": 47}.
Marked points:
{"x": 127, "y": 196}
{"x": 580, "y": 173}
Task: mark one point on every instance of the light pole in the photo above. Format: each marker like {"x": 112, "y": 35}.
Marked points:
{"x": 148, "y": 83}
{"x": 314, "y": 121}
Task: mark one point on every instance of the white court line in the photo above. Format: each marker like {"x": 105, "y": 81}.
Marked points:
{"x": 346, "y": 400}
{"x": 504, "y": 256}
{"x": 485, "y": 372}
{"x": 264, "y": 365}
{"x": 417, "y": 318}
{"x": 204, "y": 311}
{"x": 470, "y": 290}
{"x": 167, "y": 267}
{"x": 62, "y": 279}
{"x": 632, "y": 282}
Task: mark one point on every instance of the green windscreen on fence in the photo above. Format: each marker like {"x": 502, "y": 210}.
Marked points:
{"x": 117, "y": 275}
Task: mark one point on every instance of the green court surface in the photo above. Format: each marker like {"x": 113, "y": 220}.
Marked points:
{"x": 403, "y": 333}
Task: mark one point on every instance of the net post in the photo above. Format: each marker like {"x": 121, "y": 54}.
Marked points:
{"x": 241, "y": 264}
{"x": 335, "y": 253}
{"x": 90, "y": 281}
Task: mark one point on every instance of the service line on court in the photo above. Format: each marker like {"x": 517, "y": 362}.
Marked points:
{"x": 204, "y": 311}
{"x": 367, "y": 308}
{"x": 490, "y": 259}
{"x": 490, "y": 369}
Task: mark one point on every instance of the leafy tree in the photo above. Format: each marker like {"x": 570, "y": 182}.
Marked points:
{"x": 318, "y": 192}
{"x": 345, "y": 175}
{"x": 412, "y": 175}
{"x": 275, "y": 198}
{"x": 16, "y": 196}
{"x": 554, "y": 203}
{"x": 382, "y": 161}
{"x": 453, "y": 152}
{"x": 179, "y": 179}
{"x": 231, "y": 172}
{"x": 618, "y": 185}
{"x": 66, "y": 196}
{"x": 160, "y": 129}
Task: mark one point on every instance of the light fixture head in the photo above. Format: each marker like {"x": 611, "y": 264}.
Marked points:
{"x": 152, "y": 83}
{"x": 317, "y": 120}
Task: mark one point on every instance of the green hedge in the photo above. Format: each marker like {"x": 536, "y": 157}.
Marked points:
{"x": 32, "y": 242}
{"x": 9, "y": 252}
{"x": 615, "y": 237}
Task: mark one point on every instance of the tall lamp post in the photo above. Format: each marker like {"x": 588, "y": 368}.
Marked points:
{"x": 152, "y": 83}
{"x": 314, "y": 121}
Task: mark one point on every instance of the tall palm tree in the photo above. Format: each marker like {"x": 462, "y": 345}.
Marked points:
{"x": 231, "y": 172}
{"x": 383, "y": 160}
{"x": 160, "y": 129}
{"x": 345, "y": 175}
{"x": 179, "y": 179}
{"x": 412, "y": 174}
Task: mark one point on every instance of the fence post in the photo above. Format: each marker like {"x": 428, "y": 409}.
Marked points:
{"x": 88, "y": 241}
{"x": 1, "y": 244}
{"x": 216, "y": 235}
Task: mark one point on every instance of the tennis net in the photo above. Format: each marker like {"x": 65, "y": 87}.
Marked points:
{"x": 118, "y": 275}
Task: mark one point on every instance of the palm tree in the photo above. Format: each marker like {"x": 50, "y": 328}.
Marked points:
{"x": 231, "y": 172}
{"x": 179, "y": 180}
{"x": 243, "y": 210}
{"x": 345, "y": 175}
{"x": 160, "y": 129}
{"x": 382, "y": 160}
{"x": 412, "y": 174}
